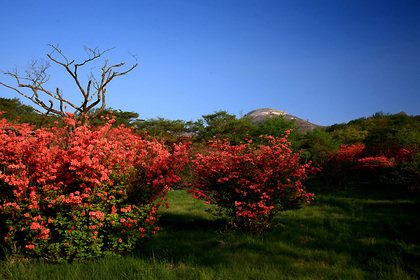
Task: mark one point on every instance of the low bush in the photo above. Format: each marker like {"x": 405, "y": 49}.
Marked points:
{"x": 251, "y": 183}
{"x": 80, "y": 192}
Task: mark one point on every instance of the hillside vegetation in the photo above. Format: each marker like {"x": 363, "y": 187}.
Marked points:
{"x": 396, "y": 137}
{"x": 335, "y": 202}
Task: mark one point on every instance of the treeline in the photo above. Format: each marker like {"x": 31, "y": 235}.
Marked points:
{"x": 220, "y": 124}
{"x": 394, "y": 137}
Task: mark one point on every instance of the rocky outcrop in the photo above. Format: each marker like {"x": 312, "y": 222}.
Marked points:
{"x": 259, "y": 115}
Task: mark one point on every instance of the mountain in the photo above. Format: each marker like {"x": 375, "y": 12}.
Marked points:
{"x": 259, "y": 115}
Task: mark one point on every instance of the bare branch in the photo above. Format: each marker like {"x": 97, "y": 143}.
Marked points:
{"x": 36, "y": 76}
{"x": 56, "y": 49}
{"x": 93, "y": 54}
{"x": 46, "y": 114}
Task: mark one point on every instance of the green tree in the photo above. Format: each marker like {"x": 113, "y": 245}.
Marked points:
{"x": 388, "y": 131}
{"x": 121, "y": 117}
{"x": 318, "y": 144}
{"x": 164, "y": 127}
{"x": 350, "y": 134}
{"x": 224, "y": 126}
{"x": 276, "y": 126}
{"x": 18, "y": 112}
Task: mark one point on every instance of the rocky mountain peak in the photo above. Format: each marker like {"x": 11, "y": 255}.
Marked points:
{"x": 259, "y": 115}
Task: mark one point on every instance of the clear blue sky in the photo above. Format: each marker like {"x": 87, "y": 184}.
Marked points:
{"x": 329, "y": 61}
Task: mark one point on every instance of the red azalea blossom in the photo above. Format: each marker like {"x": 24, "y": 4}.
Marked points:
{"x": 64, "y": 174}
{"x": 251, "y": 183}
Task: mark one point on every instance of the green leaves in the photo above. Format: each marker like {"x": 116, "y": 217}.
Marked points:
{"x": 225, "y": 126}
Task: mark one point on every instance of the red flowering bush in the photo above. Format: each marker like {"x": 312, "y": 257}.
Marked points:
{"x": 348, "y": 153}
{"x": 351, "y": 163}
{"x": 372, "y": 164}
{"x": 81, "y": 193}
{"x": 358, "y": 157}
{"x": 251, "y": 183}
{"x": 407, "y": 167}
{"x": 407, "y": 154}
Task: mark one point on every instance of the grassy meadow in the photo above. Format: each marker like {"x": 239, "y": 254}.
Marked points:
{"x": 364, "y": 233}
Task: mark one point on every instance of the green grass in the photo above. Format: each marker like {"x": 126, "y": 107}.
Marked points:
{"x": 356, "y": 234}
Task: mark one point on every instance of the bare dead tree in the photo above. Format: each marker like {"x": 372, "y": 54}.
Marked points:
{"x": 93, "y": 94}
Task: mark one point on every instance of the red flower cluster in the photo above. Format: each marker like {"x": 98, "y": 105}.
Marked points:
{"x": 251, "y": 183}
{"x": 358, "y": 156}
{"x": 373, "y": 163}
{"x": 62, "y": 189}
{"x": 348, "y": 152}
{"x": 404, "y": 154}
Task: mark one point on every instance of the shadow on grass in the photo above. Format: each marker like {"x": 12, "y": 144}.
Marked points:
{"x": 185, "y": 238}
{"x": 355, "y": 234}
{"x": 340, "y": 229}
{"x": 190, "y": 222}
{"x": 374, "y": 227}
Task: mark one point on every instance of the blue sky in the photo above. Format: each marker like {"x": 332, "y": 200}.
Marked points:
{"x": 328, "y": 61}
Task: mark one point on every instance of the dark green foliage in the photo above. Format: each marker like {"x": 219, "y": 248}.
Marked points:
{"x": 164, "y": 127}
{"x": 380, "y": 133}
{"x": 349, "y": 135}
{"x": 14, "y": 108}
{"x": 318, "y": 144}
{"x": 16, "y": 111}
{"x": 396, "y": 137}
{"x": 276, "y": 126}
{"x": 224, "y": 126}
{"x": 407, "y": 174}
{"x": 121, "y": 117}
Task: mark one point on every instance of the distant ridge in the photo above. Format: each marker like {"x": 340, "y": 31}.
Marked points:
{"x": 259, "y": 115}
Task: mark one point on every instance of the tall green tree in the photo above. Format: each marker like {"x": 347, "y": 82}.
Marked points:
{"x": 276, "y": 126}
{"x": 164, "y": 127}
{"x": 222, "y": 125}
{"x": 318, "y": 144}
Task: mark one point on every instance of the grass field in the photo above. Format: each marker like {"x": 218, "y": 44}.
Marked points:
{"x": 354, "y": 234}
